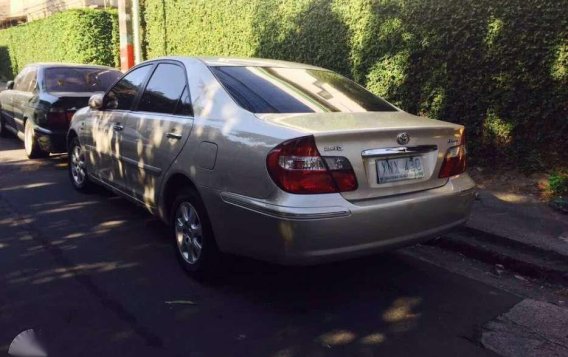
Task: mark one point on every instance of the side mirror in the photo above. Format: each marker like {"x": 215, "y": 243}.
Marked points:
{"x": 10, "y": 85}
{"x": 96, "y": 101}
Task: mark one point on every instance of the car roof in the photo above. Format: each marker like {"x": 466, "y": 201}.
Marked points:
{"x": 241, "y": 62}
{"x": 66, "y": 65}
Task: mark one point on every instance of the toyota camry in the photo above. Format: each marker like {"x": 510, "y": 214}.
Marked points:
{"x": 279, "y": 161}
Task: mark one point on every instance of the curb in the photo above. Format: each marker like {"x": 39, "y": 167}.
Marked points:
{"x": 522, "y": 258}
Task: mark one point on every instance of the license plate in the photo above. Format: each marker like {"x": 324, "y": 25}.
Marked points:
{"x": 399, "y": 169}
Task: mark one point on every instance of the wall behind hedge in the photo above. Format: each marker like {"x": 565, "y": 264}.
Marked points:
{"x": 77, "y": 36}
{"x": 499, "y": 67}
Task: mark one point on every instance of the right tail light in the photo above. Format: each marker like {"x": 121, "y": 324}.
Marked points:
{"x": 455, "y": 161}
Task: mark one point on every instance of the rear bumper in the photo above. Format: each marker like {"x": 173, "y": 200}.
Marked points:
{"x": 332, "y": 228}
{"x": 50, "y": 140}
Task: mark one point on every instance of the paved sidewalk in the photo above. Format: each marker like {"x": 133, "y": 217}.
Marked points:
{"x": 521, "y": 218}
{"x": 530, "y": 328}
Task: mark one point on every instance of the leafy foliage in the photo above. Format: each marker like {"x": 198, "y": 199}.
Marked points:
{"x": 79, "y": 36}
{"x": 499, "y": 67}
{"x": 558, "y": 183}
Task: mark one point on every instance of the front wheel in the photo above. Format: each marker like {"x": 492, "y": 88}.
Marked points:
{"x": 77, "y": 167}
{"x": 33, "y": 151}
{"x": 194, "y": 242}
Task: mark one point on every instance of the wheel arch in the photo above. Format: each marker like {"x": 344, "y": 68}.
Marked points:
{"x": 72, "y": 134}
{"x": 174, "y": 184}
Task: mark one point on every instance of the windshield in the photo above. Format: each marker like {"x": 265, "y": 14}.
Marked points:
{"x": 296, "y": 90}
{"x": 65, "y": 79}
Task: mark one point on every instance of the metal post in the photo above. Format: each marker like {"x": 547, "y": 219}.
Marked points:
{"x": 136, "y": 30}
{"x": 125, "y": 31}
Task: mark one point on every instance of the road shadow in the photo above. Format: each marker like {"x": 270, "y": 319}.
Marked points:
{"x": 97, "y": 271}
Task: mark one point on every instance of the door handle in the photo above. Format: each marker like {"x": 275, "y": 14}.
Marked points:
{"x": 173, "y": 136}
{"x": 117, "y": 127}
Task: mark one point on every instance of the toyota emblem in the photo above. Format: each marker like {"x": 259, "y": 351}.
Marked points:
{"x": 403, "y": 138}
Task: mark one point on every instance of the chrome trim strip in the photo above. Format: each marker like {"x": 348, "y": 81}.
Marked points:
{"x": 399, "y": 151}
{"x": 284, "y": 212}
{"x": 152, "y": 169}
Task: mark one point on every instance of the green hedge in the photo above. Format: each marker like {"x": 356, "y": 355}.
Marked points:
{"x": 77, "y": 36}
{"x": 499, "y": 67}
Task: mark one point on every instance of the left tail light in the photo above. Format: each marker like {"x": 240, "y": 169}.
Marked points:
{"x": 455, "y": 161}
{"x": 296, "y": 166}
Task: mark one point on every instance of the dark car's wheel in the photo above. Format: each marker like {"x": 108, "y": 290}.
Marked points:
{"x": 77, "y": 168}
{"x": 33, "y": 150}
{"x": 3, "y": 132}
{"x": 194, "y": 242}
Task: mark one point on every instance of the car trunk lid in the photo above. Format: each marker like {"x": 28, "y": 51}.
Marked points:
{"x": 374, "y": 142}
{"x": 64, "y": 105}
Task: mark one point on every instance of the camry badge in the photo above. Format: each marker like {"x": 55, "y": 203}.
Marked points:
{"x": 333, "y": 148}
{"x": 403, "y": 138}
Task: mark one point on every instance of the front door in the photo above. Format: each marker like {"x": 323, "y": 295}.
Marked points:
{"x": 107, "y": 131}
{"x": 157, "y": 130}
{"x": 24, "y": 88}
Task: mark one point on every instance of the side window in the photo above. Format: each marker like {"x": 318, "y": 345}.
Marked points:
{"x": 20, "y": 79}
{"x": 125, "y": 91}
{"x": 184, "y": 105}
{"x": 164, "y": 89}
{"x": 31, "y": 80}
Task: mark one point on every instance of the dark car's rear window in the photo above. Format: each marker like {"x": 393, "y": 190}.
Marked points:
{"x": 65, "y": 79}
{"x": 296, "y": 90}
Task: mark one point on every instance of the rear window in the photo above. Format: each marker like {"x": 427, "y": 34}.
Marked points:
{"x": 296, "y": 90}
{"x": 79, "y": 79}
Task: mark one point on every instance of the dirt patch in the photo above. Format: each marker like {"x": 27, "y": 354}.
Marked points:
{"x": 513, "y": 182}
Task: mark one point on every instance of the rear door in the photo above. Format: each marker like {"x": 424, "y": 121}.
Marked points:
{"x": 108, "y": 159}
{"x": 157, "y": 130}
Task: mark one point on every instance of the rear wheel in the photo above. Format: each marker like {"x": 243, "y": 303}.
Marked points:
{"x": 2, "y": 128}
{"x": 3, "y": 131}
{"x": 33, "y": 150}
{"x": 77, "y": 167}
{"x": 193, "y": 238}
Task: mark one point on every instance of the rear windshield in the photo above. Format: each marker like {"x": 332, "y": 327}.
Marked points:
{"x": 79, "y": 79}
{"x": 296, "y": 90}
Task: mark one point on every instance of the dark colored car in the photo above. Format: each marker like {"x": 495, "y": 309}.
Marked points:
{"x": 39, "y": 104}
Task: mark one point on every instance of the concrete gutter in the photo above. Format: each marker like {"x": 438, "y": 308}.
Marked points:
{"x": 514, "y": 233}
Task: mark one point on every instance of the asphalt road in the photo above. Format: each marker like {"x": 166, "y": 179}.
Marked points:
{"x": 97, "y": 276}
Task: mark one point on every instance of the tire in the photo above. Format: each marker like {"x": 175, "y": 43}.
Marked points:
{"x": 31, "y": 146}
{"x": 77, "y": 169}
{"x": 190, "y": 229}
{"x": 3, "y": 131}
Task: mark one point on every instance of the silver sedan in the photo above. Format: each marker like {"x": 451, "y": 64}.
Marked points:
{"x": 273, "y": 160}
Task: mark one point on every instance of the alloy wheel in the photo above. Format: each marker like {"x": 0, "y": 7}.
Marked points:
{"x": 78, "y": 165}
{"x": 189, "y": 233}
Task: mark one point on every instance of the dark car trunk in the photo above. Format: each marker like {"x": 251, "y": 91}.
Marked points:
{"x": 63, "y": 106}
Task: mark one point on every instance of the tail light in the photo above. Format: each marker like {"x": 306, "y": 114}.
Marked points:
{"x": 59, "y": 118}
{"x": 455, "y": 161}
{"x": 296, "y": 166}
